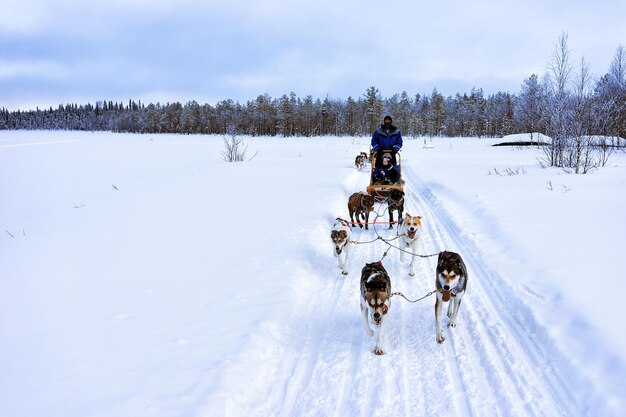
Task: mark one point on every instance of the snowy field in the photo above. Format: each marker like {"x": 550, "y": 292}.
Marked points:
{"x": 141, "y": 275}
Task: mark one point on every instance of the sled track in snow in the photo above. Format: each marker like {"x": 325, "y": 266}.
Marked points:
{"x": 501, "y": 351}
{"x": 489, "y": 365}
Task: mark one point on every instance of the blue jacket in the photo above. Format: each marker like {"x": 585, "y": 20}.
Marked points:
{"x": 387, "y": 139}
{"x": 389, "y": 172}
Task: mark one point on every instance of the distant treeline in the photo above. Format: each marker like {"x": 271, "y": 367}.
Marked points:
{"x": 467, "y": 115}
{"x": 566, "y": 103}
{"x": 470, "y": 114}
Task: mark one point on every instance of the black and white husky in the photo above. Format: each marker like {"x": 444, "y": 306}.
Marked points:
{"x": 375, "y": 300}
{"x": 341, "y": 235}
{"x": 451, "y": 282}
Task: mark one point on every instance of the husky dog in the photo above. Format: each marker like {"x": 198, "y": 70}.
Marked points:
{"x": 409, "y": 233}
{"x": 359, "y": 205}
{"x": 366, "y": 159}
{"x": 359, "y": 162}
{"x": 375, "y": 300}
{"x": 341, "y": 235}
{"x": 395, "y": 201}
{"x": 451, "y": 282}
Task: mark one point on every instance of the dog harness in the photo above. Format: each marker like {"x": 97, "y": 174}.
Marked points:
{"x": 362, "y": 206}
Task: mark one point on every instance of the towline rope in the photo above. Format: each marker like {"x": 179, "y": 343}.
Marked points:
{"x": 413, "y": 301}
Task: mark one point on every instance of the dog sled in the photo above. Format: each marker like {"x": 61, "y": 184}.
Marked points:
{"x": 380, "y": 189}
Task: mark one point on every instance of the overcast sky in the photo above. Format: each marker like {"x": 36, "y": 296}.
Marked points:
{"x": 56, "y": 51}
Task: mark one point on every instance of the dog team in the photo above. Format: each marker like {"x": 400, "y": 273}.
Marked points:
{"x": 450, "y": 273}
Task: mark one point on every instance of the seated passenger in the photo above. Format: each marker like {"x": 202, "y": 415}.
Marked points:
{"x": 387, "y": 172}
{"x": 379, "y": 157}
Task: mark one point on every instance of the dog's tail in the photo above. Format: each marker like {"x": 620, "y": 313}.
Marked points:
{"x": 341, "y": 221}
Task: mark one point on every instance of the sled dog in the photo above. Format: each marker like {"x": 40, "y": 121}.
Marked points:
{"x": 395, "y": 201}
{"x": 365, "y": 158}
{"x": 360, "y": 204}
{"x": 375, "y": 300}
{"x": 450, "y": 281}
{"x": 359, "y": 162}
{"x": 341, "y": 235}
{"x": 408, "y": 236}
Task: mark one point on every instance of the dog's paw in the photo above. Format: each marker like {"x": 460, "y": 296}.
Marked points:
{"x": 344, "y": 272}
{"x": 411, "y": 273}
{"x": 441, "y": 339}
{"x": 452, "y": 324}
{"x": 378, "y": 350}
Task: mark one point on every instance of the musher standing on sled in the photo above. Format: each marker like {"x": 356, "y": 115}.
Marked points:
{"x": 387, "y": 138}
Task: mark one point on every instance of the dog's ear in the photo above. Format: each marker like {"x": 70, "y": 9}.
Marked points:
{"x": 459, "y": 265}
{"x": 461, "y": 271}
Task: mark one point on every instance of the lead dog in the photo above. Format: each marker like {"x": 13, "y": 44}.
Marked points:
{"x": 408, "y": 235}
{"x": 341, "y": 235}
{"x": 375, "y": 300}
{"x": 451, "y": 282}
{"x": 360, "y": 204}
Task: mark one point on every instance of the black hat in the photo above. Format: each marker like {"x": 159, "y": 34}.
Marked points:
{"x": 388, "y": 117}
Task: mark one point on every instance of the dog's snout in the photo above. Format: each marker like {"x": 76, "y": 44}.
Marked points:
{"x": 446, "y": 288}
{"x": 377, "y": 315}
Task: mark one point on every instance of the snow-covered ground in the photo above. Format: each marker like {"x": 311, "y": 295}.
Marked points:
{"x": 141, "y": 275}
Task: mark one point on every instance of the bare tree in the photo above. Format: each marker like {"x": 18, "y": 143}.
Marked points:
{"x": 617, "y": 71}
{"x": 618, "y": 66}
{"x": 558, "y": 109}
{"x": 581, "y": 155}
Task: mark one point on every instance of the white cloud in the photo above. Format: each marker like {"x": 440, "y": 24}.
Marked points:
{"x": 244, "y": 48}
{"x": 31, "y": 69}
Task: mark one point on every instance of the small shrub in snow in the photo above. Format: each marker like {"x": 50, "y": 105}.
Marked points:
{"x": 508, "y": 171}
{"x": 234, "y": 149}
